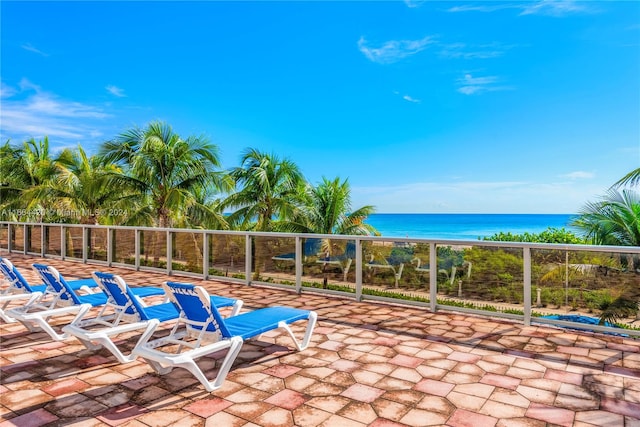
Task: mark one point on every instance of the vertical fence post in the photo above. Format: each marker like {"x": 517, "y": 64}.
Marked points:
{"x": 110, "y": 234}
{"x": 63, "y": 242}
{"x": 248, "y": 258}
{"x": 205, "y": 255}
{"x": 61, "y": 231}
{"x": 85, "y": 244}
{"x": 136, "y": 248}
{"x": 28, "y": 236}
{"x": 527, "y": 285}
{"x": 25, "y": 239}
{"x": 9, "y": 237}
{"x": 358, "y": 270}
{"x": 28, "y": 248}
{"x": 42, "y": 240}
{"x": 298, "y": 259}
{"x": 169, "y": 252}
{"x": 433, "y": 277}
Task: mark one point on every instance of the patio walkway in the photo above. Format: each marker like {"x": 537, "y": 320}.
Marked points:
{"x": 369, "y": 364}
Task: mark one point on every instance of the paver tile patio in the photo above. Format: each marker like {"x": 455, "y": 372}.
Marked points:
{"x": 369, "y": 364}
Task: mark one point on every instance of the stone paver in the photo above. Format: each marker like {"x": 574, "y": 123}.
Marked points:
{"x": 369, "y": 364}
{"x": 36, "y": 418}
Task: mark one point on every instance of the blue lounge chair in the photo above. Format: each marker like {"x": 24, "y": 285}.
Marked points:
{"x": 395, "y": 262}
{"x": 125, "y": 313}
{"x": 310, "y": 249}
{"x": 342, "y": 261}
{"x": 386, "y": 264}
{"x": 63, "y": 300}
{"x": 424, "y": 268}
{"x": 19, "y": 289}
{"x": 201, "y": 330}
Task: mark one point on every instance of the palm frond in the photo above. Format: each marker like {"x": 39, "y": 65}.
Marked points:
{"x": 632, "y": 178}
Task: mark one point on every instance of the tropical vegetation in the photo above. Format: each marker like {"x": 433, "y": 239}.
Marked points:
{"x": 615, "y": 220}
{"x": 154, "y": 177}
{"x": 550, "y": 235}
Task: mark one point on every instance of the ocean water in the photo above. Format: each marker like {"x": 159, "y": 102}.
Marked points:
{"x": 464, "y": 226}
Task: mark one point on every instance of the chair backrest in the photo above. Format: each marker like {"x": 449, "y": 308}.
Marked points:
{"x": 350, "y": 249}
{"x": 194, "y": 304}
{"x": 56, "y": 284}
{"x": 13, "y": 275}
{"x": 400, "y": 255}
{"x": 312, "y": 246}
{"x": 120, "y": 294}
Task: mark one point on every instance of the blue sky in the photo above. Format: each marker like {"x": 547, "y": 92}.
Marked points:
{"x": 425, "y": 106}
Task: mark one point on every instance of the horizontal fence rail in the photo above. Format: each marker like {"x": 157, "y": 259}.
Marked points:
{"x": 556, "y": 284}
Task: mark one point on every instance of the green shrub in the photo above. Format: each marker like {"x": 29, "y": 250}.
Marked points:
{"x": 550, "y": 235}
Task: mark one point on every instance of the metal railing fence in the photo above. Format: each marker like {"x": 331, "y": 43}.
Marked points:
{"x": 558, "y": 284}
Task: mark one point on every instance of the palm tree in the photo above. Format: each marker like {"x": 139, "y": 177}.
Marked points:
{"x": 327, "y": 210}
{"x": 165, "y": 171}
{"x": 34, "y": 162}
{"x": 615, "y": 220}
{"x": 623, "y": 306}
{"x": 84, "y": 185}
{"x": 8, "y": 156}
{"x": 268, "y": 189}
{"x": 632, "y": 178}
{"x": 206, "y": 213}
{"x": 24, "y": 169}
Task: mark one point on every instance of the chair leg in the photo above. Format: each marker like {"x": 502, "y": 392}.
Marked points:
{"x": 398, "y": 274}
{"x": 6, "y": 299}
{"x": 94, "y": 340}
{"x": 232, "y": 354}
{"x": 158, "y": 367}
{"x": 237, "y": 306}
{"x": 346, "y": 269}
{"x": 164, "y": 363}
{"x": 304, "y": 343}
{"x": 35, "y": 320}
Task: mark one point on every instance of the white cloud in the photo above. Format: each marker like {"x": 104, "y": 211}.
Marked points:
{"x": 414, "y": 3}
{"x": 578, "y": 175}
{"x": 49, "y": 105}
{"x": 484, "y": 8}
{"x": 469, "y": 85}
{"x": 470, "y": 90}
{"x": 31, "y": 48}
{"x": 556, "y": 8}
{"x": 32, "y": 113}
{"x": 393, "y": 50}
{"x": 115, "y": 91}
{"x": 6, "y": 91}
{"x": 464, "y": 51}
{"x": 407, "y": 98}
{"x": 26, "y": 85}
{"x": 470, "y": 80}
